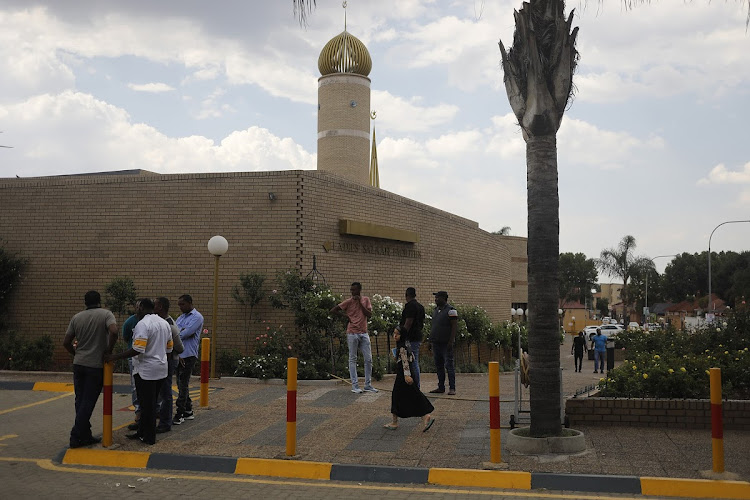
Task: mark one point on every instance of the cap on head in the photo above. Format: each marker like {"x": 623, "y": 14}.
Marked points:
{"x": 441, "y": 293}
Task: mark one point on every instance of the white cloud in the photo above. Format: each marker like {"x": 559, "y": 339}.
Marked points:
{"x": 75, "y": 133}
{"x": 154, "y": 88}
{"x": 401, "y": 115}
{"x": 721, "y": 175}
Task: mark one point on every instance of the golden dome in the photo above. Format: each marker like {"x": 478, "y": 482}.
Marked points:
{"x": 345, "y": 53}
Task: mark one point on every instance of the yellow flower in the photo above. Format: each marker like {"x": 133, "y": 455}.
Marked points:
{"x": 670, "y": 371}
{"x": 708, "y": 372}
{"x": 656, "y": 356}
{"x": 683, "y": 370}
{"x": 635, "y": 367}
{"x": 726, "y": 352}
{"x": 645, "y": 375}
{"x": 601, "y": 380}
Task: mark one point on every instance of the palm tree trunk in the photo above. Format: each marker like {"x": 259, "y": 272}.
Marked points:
{"x": 544, "y": 257}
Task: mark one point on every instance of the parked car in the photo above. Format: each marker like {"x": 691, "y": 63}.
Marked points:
{"x": 633, "y": 325}
{"x": 590, "y": 331}
{"x": 611, "y": 331}
{"x": 652, "y": 327}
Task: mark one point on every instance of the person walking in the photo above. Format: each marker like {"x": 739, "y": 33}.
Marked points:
{"x": 443, "y": 338}
{"x": 406, "y": 398}
{"x": 577, "y": 349}
{"x": 190, "y": 324}
{"x": 599, "y": 344}
{"x": 358, "y": 309}
{"x": 152, "y": 343}
{"x": 412, "y": 323}
{"x": 91, "y": 335}
{"x": 165, "y": 400}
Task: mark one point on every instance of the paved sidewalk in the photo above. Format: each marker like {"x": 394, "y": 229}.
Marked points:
{"x": 247, "y": 418}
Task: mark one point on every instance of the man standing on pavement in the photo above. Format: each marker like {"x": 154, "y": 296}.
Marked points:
{"x": 152, "y": 343}
{"x": 127, "y": 336}
{"x": 357, "y": 308}
{"x": 599, "y": 344}
{"x": 443, "y": 337}
{"x": 412, "y": 322}
{"x": 95, "y": 333}
{"x": 190, "y": 324}
{"x": 161, "y": 309}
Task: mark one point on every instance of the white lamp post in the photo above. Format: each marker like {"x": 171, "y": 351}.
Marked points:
{"x": 218, "y": 246}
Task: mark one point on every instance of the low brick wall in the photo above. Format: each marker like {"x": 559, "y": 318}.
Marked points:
{"x": 678, "y": 413}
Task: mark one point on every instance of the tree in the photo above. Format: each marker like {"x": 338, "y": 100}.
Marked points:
{"x": 503, "y": 231}
{"x": 11, "y": 270}
{"x": 620, "y": 262}
{"x": 602, "y": 305}
{"x": 120, "y": 295}
{"x": 538, "y": 74}
{"x": 249, "y": 293}
{"x": 578, "y": 276}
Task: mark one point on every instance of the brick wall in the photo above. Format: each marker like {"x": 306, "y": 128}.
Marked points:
{"x": 80, "y": 232}
{"x": 678, "y": 413}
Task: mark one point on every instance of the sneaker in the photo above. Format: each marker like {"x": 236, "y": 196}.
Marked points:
{"x": 596, "y": 371}
{"x": 188, "y": 415}
{"x": 356, "y": 390}
{"x": 161, "y": 430}
{"x": 134, "y": 426}
{"x": 178, "y": 421}
{"x": 437, "y": 391}
{"x": 370, "y": 389}
{"x": 452, "y": 392}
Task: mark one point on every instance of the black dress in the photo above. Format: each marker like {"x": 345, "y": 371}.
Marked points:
{"x": 406, "y": 399}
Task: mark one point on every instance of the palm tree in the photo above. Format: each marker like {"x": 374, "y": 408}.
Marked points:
{"x": 622, "y": 263}
{"x": 538, "y": 79}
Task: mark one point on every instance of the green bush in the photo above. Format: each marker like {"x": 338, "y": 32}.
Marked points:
{"x": 675, "y": 364}
{"x": 227, "y": 361}
{"x": 25, "y": 354}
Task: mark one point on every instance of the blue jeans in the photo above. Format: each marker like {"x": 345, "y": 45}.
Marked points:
{"x": 165, "y": 395}
{"x": 599, "y": 357}
{"x": 88, "y": 383}
{"x": 133, "y": 392}
{"x": 415, "y": 365}
{"x": 359, "y": 341}
{"x": 442, "y": 352}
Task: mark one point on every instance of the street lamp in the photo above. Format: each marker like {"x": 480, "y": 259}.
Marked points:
{"x": 646, "y": 306}
{"x": 218, "y": 246}
{"x": 710, "y": 302}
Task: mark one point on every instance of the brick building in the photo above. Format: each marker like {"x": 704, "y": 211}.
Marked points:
{"x": 80, "y": 232}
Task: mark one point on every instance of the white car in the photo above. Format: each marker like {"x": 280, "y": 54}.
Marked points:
{"x": 633, "y": 325}
{"x": 590, "y": 331}
{"x": 611, "y": 331}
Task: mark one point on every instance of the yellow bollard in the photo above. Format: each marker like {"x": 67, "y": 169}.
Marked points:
{"x": 495, "y": 412}
{"x": 205, "y": 350}
{"x": 291, "y": 407}
{"x": 717, "y": 425}
{"x": 107, "y": 406}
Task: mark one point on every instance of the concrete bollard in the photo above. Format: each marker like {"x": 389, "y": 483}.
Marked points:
{"x": 205, "y": 369}
{"x": 291, "y": 407}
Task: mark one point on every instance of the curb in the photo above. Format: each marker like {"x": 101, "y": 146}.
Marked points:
{"x": 657, "y": 486}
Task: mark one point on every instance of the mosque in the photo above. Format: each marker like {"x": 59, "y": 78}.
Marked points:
{"x": 79, "y": 232}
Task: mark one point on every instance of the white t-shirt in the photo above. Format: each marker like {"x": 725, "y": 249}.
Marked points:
{"x": 152, "y": 338}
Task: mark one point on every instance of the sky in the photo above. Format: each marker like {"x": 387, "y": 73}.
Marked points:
{"x": 654, "y": 144}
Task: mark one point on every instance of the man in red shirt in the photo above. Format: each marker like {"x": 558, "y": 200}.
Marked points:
{"x": 357, "y": 308}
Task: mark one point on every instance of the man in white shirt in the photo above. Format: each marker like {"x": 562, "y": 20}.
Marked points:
{"x": 152, "y": 341}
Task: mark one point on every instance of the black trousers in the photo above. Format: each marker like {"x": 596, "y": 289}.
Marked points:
{"x": 148, "y": 390}
{"x": 578, "y": 360}
{"x": 184, "y": 370}
{"x": 87, "y": 383}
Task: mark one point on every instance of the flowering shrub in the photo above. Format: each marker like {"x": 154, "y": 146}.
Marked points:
{"x": 675, "y": 364}
{"x": 272, "y": 350}
{"x": 386, "y": 314}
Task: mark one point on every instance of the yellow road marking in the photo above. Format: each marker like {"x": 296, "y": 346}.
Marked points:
{"x": 3, "y": 412}
{"x": 53, "y": 387}
{"x": 7, "y": 436}
{"x": 47, "y": 464}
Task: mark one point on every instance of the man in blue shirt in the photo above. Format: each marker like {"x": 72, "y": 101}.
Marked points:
{"x": 190, "y": 324}
{"x": 599, "y": 344}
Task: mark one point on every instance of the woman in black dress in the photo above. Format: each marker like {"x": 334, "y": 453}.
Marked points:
{"x": 406, "y": 399}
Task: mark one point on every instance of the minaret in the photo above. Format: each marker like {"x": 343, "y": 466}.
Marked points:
{"x": 344, "y": 108}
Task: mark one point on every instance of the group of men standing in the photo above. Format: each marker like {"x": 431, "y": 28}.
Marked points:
{"x": 358, "y": 309}
{"x": 157, "y": 347}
